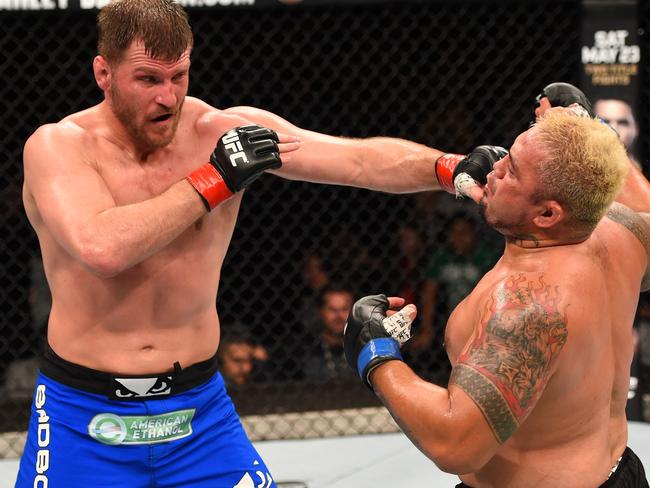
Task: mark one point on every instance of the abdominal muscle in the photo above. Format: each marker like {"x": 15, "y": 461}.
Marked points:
{"x": 146, "y": 348}
{"x": 141, "y": 321}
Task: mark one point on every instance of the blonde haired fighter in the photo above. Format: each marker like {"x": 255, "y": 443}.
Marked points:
{"x": 541, "y": 348}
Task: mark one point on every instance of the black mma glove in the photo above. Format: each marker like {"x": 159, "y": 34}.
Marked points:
{"x": 366, "y": 342}
{"x": 476, "y": 164}
{"x": 242, "y": 154}
{"x": 562, "y": 95}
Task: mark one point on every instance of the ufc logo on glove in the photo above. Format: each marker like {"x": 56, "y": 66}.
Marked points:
{"x": 232, "y": 143}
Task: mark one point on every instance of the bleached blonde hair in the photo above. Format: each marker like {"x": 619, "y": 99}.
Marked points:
{"x": 585, "y": 167}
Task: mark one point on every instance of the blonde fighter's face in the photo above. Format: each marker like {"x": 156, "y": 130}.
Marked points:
{"x": 508, "y": 203}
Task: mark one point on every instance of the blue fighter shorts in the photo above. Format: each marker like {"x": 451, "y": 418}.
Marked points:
{"x": 143, "y": 433}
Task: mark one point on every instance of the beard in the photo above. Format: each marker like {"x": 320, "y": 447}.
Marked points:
{"x": 507, "y": 225}
{"x": 128, "y": 115}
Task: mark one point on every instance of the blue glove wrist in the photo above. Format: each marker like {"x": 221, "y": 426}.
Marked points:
{"x": 382, "y": 347}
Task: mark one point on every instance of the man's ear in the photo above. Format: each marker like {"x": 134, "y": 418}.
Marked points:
{"x": 550, "y": 214}
{"x": 103, "y": 73}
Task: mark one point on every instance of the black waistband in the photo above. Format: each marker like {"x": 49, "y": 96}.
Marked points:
{"x": 629, "y": 472}
{"x": 127, "y": 387}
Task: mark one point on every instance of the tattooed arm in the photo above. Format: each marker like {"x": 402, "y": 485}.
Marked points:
{"x": 636, "y": 191}
{"x": 639, "y": 225}
{"x": 495, "y": 384}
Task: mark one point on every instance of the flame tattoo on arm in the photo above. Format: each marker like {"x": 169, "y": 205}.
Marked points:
{"x": 507, "y": 365}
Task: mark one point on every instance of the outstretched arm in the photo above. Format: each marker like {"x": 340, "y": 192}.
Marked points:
{"x": 377, "y": 163}
{"x": 636, "y": 190}
{"x": 495, "y": 384}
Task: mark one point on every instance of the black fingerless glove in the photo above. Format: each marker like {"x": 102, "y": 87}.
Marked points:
{"x": 242, "y": 154}
{"x": 366, "y": 342}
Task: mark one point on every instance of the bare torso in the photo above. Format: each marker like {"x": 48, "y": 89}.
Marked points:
{"x": 162, "y": 309}
{"x": 578, "y": 429}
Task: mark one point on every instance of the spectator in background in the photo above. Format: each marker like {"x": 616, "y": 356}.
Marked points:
{"x": 240, "y": 358}
{"x": 451, "y": 274}
{"x": 325, "y": 358}
{"x": 620, "y": 116}
{"x": 407, "y": 276}
{"x": 315, "y": 277}
{"x": 408, "y": 270}
{"x": 357, "y": 262}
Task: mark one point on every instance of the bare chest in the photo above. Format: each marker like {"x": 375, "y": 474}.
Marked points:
{"x": 130, "y": 181}
{"x": 465, "y": 318}
{"x": 460, "y": 326}
{"x": 133, "y": 182}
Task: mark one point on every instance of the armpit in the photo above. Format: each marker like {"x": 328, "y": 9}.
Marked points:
{"x": 509, "y": 363}
{"x": 639, "y": 225}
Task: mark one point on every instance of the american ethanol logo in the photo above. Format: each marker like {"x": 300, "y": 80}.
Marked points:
{"x": 114, "y": 430}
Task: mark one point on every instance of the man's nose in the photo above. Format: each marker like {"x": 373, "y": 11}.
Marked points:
{"x": 498, "y": 170}
{"x": 166, "y": 95}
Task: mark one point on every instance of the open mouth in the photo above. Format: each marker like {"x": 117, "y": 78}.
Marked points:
{"x": 162, "y": 118}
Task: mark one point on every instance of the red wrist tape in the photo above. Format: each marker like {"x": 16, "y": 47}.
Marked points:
{"x": 445, "y": 166}
{"x": 209, "y": 183}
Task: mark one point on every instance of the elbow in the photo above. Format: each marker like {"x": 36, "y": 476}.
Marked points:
{"x": 99, "y": 258}
{"x": 459, "y": 461}
{"x": 459, "y": 456}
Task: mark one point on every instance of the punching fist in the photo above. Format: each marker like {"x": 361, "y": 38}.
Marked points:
{"x": 370, "y": 338}
{"x": 563, "y": 95}
{"x": 455, "y": 171}
{"x": 242, "y": 154}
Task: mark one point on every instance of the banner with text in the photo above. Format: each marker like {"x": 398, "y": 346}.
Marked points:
{"x": 610, "y": 67}
{"x": 29, "y": 5}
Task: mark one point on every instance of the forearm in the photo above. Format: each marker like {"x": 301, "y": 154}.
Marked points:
{"x": 423, "y": 411}
{"x": 398, "y": 166}
{"x": 444, "y": 423}
{"x": 379, "y": 163}
{"x": 636, "y": 191}
{"x": 122, "y": 236}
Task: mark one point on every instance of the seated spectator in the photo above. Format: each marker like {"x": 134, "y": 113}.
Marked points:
{"x": 452, "y": 272}
{"x": 315, "y": 278}
{"x": 325, "y": 358}
{"x": 239, "y": 356}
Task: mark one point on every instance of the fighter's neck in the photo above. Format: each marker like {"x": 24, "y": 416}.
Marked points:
{"x": 530, "y": 241}
{"x": 119, "y": 135}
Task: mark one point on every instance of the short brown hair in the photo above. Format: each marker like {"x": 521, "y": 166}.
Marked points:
{"x": 162, "y": 26}
{"x": 585, "y": 168}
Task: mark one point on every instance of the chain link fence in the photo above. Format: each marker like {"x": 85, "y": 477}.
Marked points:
{"x": 448, "y": 74}
{"x": 644, "y": 142}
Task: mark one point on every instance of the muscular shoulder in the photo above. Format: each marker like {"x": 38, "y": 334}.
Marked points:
{"x": 523, "y": 305}
{"x": 67, "y": 129}
{"x": 211, "y": 122}
{"x": 521, "y": 330}
{"x": 54, "y": 138}
{"x": 638, "y": 223}
{"x": 73, "y": 132}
